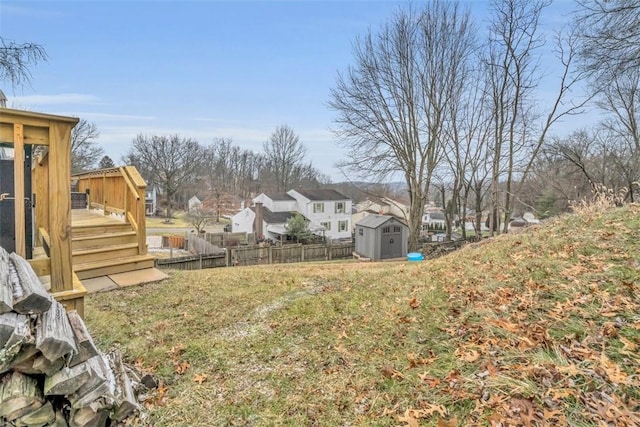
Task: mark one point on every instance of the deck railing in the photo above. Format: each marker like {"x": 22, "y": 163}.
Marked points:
{"x": 119, "y": 191}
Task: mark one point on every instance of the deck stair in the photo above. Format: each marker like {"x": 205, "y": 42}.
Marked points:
{"x": 103, "y": 245}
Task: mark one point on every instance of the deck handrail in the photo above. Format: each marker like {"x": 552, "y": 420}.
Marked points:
{"x": 119, "y": 190}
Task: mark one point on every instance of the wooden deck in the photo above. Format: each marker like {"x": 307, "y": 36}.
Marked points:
{"x": 105, "y": 244}
{"x": 93, "y": 218}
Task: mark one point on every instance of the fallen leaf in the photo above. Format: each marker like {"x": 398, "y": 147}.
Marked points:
{"x": 453, "y": 422}
{"x": 200, "y": 378}
{"x": 181, "y": 367}
{"x": 414, "y": 303}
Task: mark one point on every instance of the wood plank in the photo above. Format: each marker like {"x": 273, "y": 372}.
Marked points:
{"x": 113, "y": 266}
{"x": 40, "y": 187}
{"x": 54, "y": 337}
{"x": 18, "y": 189}
{"x": 60, "y": 211}
{"x": 29, "y": 296}
{"x": 10, "y": 115}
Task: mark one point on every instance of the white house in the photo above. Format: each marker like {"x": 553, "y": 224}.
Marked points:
{"x": 433, "y": 221}
{"x": 194, "y": 203}
{"x": 380, "y": 206}
{"x": 328, "y": 212}
{"x": 150, "y": 200}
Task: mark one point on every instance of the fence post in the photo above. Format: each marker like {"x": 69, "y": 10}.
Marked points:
{"x": 270, "y": 254}
{"x": 330, "y": 249}
{"x": 200, "y": 261}
{"x": 301, "y": 253}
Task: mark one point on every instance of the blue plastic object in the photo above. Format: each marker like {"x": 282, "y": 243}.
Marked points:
{"x": 415, "y": 256}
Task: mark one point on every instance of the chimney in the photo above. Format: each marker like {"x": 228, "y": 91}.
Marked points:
{"x": 257, "y": 222}
{"x": 3, "y": 100}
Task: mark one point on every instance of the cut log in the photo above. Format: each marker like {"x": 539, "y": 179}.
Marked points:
{"x": 126, "y": 402}
{"x": 7, "y": 325}
{"x": 19, "y": 395}
{"x": 23, "y": 362}
{"x": 6, "y": 291}
{"x": 99, "y": 391}
{"x": 47, "y": 367}
{"x": 21, "y": 336}
{"x": 29, "y": 296}
{"x": 68, "y": 380}
{"x": 44, "y": 416}
{"x": 87, "y": 417}
{"x": 86, "y": 349}
{"x": 60, "y": 421}
{"x": 54, "y": 337}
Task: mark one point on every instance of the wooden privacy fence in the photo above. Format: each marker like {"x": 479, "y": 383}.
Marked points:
{"x": 222, "y": 239}
{"x": 288, "y": 253}
{"x": 255, "y": 255}
{"x": 198, "y": 245}
{"x": 195, "y": 262}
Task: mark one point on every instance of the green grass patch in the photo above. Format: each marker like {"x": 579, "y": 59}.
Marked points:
{"x": 538, "y": 324}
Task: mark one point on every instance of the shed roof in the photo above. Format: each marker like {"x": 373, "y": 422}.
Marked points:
{"x": 375, "y": 221}
{"x": 320, "y": 195}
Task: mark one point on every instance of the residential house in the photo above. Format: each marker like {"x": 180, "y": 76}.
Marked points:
{"x": 150, "y": 200}
{"x": 433, "y": 221}
{"x": 194, "y": 203}
{"x": 328, "y": 212}
{"x": 381, "y": 206}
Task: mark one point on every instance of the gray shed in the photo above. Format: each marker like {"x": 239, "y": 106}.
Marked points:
{"x": 381, "y": 237}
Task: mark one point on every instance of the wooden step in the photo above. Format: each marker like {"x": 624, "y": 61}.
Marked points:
{"x": 104, "y": 252}
{"x": 105, "y": 267}
{"x": 92, "y": 241}
{"x": 93, "y": 230}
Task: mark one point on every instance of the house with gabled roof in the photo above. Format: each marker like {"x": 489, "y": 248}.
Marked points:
{"x": 328, "y": 213}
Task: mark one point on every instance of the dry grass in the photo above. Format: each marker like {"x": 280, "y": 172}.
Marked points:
{"x": 538, "y": 328}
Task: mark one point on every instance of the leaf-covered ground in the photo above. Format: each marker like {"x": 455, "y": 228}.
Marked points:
{"x": 537, "y": 328}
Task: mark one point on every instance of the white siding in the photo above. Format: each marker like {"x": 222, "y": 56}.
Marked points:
{"x": 242, "y": 222}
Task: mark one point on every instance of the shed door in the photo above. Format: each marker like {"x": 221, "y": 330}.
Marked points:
{"x": 391, "y": 242}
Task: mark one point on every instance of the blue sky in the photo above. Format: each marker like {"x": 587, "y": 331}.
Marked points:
{"x": 201, "y": 69}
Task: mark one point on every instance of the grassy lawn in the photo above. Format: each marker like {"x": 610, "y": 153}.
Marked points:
{"x": 177, "y": 220}
{"x": 536, "y": 328}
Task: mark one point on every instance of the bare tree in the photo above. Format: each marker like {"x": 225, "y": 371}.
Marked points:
{"x": 17, "y": 58}
{"x": 284, "y": 154}
{"x": 513, "y": 57}
{"x": 85, "y": 151}
{"x": 610, "y": 34}
{"x": 171, "y": 162}
{"x": 393, "y": 104}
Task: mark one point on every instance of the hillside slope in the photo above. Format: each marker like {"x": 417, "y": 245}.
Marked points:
{"x": 537, "y": 328}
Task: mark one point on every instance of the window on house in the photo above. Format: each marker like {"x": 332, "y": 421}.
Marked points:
{"x": 360, "y": 231}
{"x": 386, "y": 230}
{"x": 326, "y": 225}
{"x": 318, "y": 207}
{"x": 339, "y": 207}
{"x": 343, "y": 225}
{"x": 396, "y": 229}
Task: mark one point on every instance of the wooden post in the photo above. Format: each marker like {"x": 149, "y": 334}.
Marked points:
{"x": 18, "y": 188}
{"x": 104, "y": 193}
{"x": 60, "y": 206}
